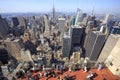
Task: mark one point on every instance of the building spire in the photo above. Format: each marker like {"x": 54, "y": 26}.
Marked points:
{"x": 93, "y": 11}
{"x": 53, "y": 13}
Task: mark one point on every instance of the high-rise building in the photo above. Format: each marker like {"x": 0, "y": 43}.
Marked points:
{"x": 104, "y": 30}
{"x": 15, "y": 21}
{"x": 66, "y": 45}
{"x": 87, "y": 35}
{"x": 14, "y": 47}
{"x": 115, "y": 30}
{"x": 94, "y": 45}
{"x": 46, "y": 22}
{"x": 3, "y": 28}
{"x": 26, "y": 37}
{"x": 32, "y": 35}
{"x": 112, "y": 40}
{"x": 22, "y": 22}
{"x": 79, "y": 16}
{"x": 107, "y": 19}
{"x": 113, "y": 60}
{"x": 53, "y": 14}
{"x": 4, "y": 56}
{"x": 5, "y": 23}
{"x": 61, "y": 25}
{"x": 26, "y": 55}
{"x": 76, "y": 35}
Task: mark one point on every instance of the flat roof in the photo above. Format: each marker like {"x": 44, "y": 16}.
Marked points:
{"x": 76, "y": 26}
{"x": 98, "y": 32}
{"x": 61, "y": 18}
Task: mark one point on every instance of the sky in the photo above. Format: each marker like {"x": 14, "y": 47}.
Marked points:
{"x": 23, "y": 6}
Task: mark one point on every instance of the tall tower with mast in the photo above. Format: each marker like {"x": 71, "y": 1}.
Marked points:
{"x": 53, "y": 14}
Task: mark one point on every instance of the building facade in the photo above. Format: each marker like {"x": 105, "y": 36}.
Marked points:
{"x": 112, "y": 40}
{"x": 113, "y": 60}
{"x": 94, "y": 45}
{"x": 14, "y": 48}
{"x": 66, "y": 46}
{"x": 76, "y": 33}
{"x": 61, "y": 25}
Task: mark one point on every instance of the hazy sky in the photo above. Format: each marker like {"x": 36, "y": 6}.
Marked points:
{"x": 100, "y": 6}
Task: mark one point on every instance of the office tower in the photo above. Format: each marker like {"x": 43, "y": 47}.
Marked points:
{"x": 22, "y": 22}
{"x": 40, "y": 21}
{"x": 15, "y": 21}
{"x": 32, "y": 35}
{"x": 85, "y": 21}
{"x": 76, "y": 35}
{"x": 115, "y": 30}
{"x": 104, "y": 30}
{"x": 46, "y": 23}
{"x": 87, "y": 35}
{"x": 83, "y": 38}
{"x": 14, "y": 47}
{"x": 53, "y": 14}
{"x": 66, "y": 46}
{"x": 108, "y": 47}
{"x": 26, "y": 55}
{"x": 61, "y": 25}
{"x": 4, "y": 57}
{"x": 6, "y": 25}
{"x": 30, "y": 46}
{"x": 113, "y": 60}
{"x": 0, "y": 16}
{"x": 73, "y": 21}
{"x": 3, "y": 28}
{"x": 79, "y": 16}
{"x": 94, "y": 45}
{"x": 26, "y": 37}
{"x": 107, "y": 19}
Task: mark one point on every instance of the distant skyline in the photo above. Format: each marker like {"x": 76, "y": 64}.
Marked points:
{"x": 25, "y": 6}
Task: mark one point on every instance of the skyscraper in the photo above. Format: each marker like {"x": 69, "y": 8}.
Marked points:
{"x": 26, "y": 37}
{"x": 66, "y": 45}
{"x": 107, "y": 19}
{"x": 14, "y": 48}
{"x": 3, "y": 28}
{"x": 115, "y": 30}
{"x": 76, "y": 35}
{"x": 94, "y": 45}
{"x": 112, "y": 40}
{"x": 4, "y": 56}
{"x": 87, "y": 35}
{"x": 53, "y": 14}
{"x": 15, "y": 21}
{"x": 113, "y": 60}
{"x": 22, "y": 22}
{"x": 46, "y": 22}
{"x": 26, "y": 55}
{"x": 61, "y": 25}
{"x": 79, "y": 16}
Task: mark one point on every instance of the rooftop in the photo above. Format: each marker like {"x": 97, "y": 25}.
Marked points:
{"x": 115, "y": 35}
{"x": 104, "y": 74}
{"x": 76, "y": 26}
{"x": 98, "y": 33}
{"x": 61, "y": 18}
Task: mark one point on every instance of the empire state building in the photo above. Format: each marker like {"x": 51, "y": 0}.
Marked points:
{"x": 53, "y": 14}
